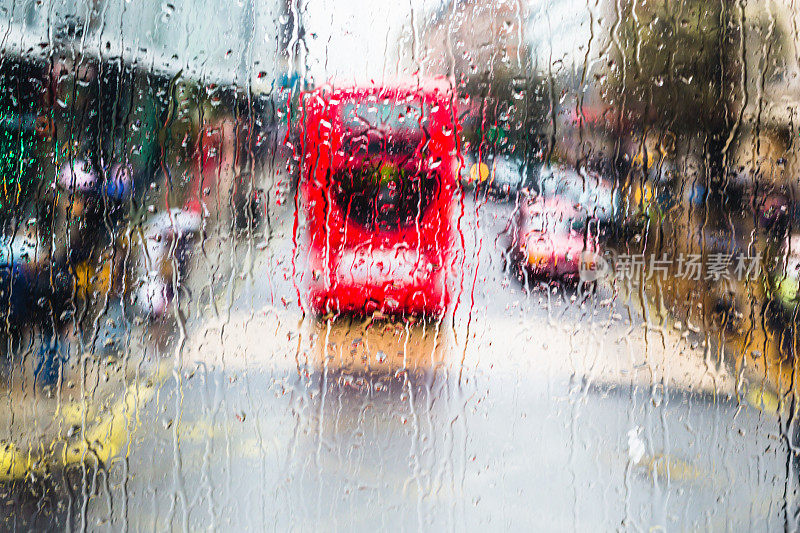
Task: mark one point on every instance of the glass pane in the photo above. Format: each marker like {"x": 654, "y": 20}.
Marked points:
{"x": 422, "y": 266}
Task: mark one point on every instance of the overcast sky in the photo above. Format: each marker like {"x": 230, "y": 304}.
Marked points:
{"x": 360, "y": 40}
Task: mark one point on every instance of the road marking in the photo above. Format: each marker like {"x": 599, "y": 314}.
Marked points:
{"x": 98, "y": 444}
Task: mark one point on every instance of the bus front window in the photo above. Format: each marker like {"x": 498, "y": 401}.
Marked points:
{"x": 384, "y": 195}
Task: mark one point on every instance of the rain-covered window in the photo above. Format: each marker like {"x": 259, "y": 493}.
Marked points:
{"x": 434, "y": 265}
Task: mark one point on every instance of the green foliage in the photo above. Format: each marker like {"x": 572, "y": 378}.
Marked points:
{"x": 509, "y": 109}
{"x": 669, "y": 61}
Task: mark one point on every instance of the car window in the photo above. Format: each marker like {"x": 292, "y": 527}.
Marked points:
{"x": 419, "y": 266}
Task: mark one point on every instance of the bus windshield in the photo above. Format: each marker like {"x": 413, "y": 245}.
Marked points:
{"x": 384, "y": 194}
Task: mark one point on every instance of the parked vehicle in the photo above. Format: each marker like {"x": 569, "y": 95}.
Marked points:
{"x": 501, "y": 177}
{"x": 587, "y": 190}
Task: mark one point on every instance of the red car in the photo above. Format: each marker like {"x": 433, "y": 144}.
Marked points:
{"x": 551, "y": 239}
{"x": 379, "y": 169}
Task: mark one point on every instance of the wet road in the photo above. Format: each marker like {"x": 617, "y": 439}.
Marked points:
{"x": 528, "y": 406}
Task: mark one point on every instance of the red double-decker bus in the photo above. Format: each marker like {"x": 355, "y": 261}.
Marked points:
{"x": 379, "y": 169}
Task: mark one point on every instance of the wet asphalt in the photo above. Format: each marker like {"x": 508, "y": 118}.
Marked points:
{"x": 528, "y": 407}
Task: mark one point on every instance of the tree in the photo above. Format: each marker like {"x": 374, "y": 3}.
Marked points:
{"x": 667, "y": 68}
{"x": 481, "y": 45}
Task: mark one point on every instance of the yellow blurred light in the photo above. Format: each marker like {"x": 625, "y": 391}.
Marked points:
{"x": 479, "y": 172}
